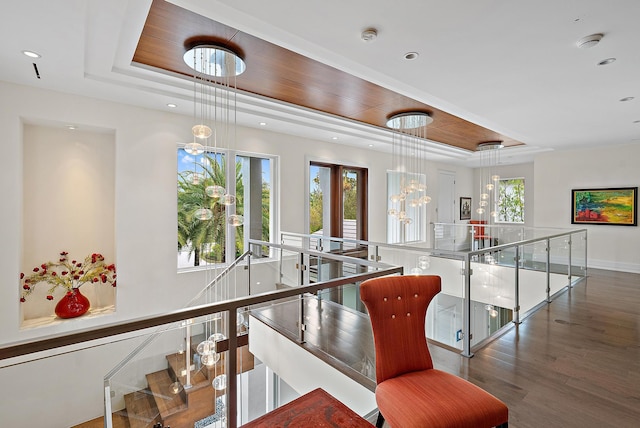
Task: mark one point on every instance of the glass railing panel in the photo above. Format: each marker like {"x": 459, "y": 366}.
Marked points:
{"x": 170, "y": 380}
{"x": 532, "y": 275}
{"x": 452, "y": 237}
{"x": 579, "y": 255}
{"x": 260, "y": 388}
{"x": 289, "y": 269}
{"x": 337, "y": 355}
{"x": 445, "y": 317}
{"x": 559, "y": 263}
{"x": 492, "y": 293}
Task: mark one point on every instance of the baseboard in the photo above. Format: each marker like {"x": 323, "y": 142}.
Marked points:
{"x": 614, "y": 265}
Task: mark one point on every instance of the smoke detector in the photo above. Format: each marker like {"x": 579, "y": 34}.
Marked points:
{"x": 369, "y": 34}
{"x": 589, "y": 41}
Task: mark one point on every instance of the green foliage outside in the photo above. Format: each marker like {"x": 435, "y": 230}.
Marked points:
{"x": 203, "y": 238}
{"x": 349, "y": 195}
{"x": 315, "y": 205}
{"x": 511, "y": 201}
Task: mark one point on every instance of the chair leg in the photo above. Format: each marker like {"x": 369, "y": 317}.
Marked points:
{"x": 380, "y": 420}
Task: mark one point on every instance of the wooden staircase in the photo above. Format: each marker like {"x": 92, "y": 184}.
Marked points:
{"x": 158, "y": 403}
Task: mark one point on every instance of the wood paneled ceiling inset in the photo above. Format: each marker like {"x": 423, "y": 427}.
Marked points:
{"x": 280, "y": 74}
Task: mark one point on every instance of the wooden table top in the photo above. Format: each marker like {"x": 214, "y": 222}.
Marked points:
{"x": 317, "y": 409}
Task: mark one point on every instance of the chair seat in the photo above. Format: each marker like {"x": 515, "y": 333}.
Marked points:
{"x": 436, "y": 399}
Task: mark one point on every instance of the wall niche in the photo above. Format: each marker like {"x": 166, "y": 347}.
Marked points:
{"x": 68, "y": 194}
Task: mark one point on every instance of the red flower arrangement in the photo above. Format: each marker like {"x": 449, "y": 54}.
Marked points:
{"x": 69, "y": 274}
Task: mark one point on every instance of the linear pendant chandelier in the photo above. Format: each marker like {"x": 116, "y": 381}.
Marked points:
{"x": 408, "y": 175}
{"x": 215, "y": 107}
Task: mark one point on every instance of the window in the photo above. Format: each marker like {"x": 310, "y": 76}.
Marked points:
{"x": 511, "y": 200}
{"x": 337, "y": 201}
{"x": 205, "y": 235}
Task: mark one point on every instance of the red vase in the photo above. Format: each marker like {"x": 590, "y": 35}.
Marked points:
{"x": 73, "y": 304}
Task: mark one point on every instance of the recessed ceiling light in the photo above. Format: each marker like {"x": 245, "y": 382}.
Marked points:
{"x": 636, "y": 121}
{"x": 589, "y": 41}
{"x": 72, "y": 127}
{"x": 334, "y": 138}
{"x": 32, "y": 54}
{"x": 370, "y": 145}
{"x": 262, "y": 123}
{"x": 411, "y": 55}
{"x": 172, "y": 105}
{"x": 627, "y": 99}
{"x": 607, "y": 61}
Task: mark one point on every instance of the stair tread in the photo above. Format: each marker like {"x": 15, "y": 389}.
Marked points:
{"x": 168, "y": 403}
{"x": 141, "y": 408}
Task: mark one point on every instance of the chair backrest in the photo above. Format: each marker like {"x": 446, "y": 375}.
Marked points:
{"x": 397, "y": 307}
{"x": 478, "y": 230}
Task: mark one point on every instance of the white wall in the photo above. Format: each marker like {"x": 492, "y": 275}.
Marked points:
{"x": 609, "y": 247}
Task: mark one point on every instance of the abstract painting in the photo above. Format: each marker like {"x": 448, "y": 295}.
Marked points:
{"x": 612, "y": 206}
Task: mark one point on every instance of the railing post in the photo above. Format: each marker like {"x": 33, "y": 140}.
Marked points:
{"x": 108, "y": 423}
{"x": 231, "y": 370}
{"x": 249, "y": 274}
{"x": 569, "y": 267}
{"x": 301, "y": 323}
{"x": 585, "y": 253}
{"x": 187, "y": 355}
{"x": 466, "y": 309}
{"x": 548, "y": 249}
{"x": 516, "y": 309}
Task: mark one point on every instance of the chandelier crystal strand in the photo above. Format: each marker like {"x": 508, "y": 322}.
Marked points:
{"x": 408, "y": 194}
{"x": 489, "y": 181}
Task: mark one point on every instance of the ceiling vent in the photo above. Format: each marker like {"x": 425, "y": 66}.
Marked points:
{"x": 589, "y": 41}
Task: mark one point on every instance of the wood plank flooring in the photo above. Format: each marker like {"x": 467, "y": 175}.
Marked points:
{"x": 574, "y": 363}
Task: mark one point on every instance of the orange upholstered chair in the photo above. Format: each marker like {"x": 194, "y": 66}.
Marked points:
{"x": 479, "y": 235}
{"x": 410, "y": 393}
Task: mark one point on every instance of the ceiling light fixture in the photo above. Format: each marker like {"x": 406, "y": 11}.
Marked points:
{"x": 218, "y": 118}
{"x": 369, "y": 35}
{"x": 589, "y": 41}
{"x": 625, "y": 99}
{"x": 262, "y": 123}
{"x": 607, "y": 61}
{"x": 407, "y": 180}
{"x": 334, "y": 138}
{"x": 172, "y": 105}
{"x": 489, "y": 158}
{"x": 409, "y": 56}
{"x": 31, "y": 54}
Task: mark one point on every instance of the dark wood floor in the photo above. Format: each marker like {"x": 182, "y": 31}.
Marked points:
{"x": 574, "y": 363}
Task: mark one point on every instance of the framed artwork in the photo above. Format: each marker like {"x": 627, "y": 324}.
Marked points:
{"x": 465, "y": 208}
{"x": 613, "y": 206}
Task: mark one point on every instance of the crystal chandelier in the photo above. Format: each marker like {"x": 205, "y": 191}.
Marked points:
{"x": 408, "y": 176}
{"x": 489, "y": 158}
{"x": 216, "y": 118}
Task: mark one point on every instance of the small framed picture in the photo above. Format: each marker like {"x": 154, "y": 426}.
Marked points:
{"x": 465, "y": 208}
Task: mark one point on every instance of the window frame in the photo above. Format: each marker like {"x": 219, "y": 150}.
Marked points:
{"x": 230, "y": 177}
{"x": 499, "y": 200}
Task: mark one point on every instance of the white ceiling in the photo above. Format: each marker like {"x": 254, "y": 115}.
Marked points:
{"x": 508, "y": 65}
